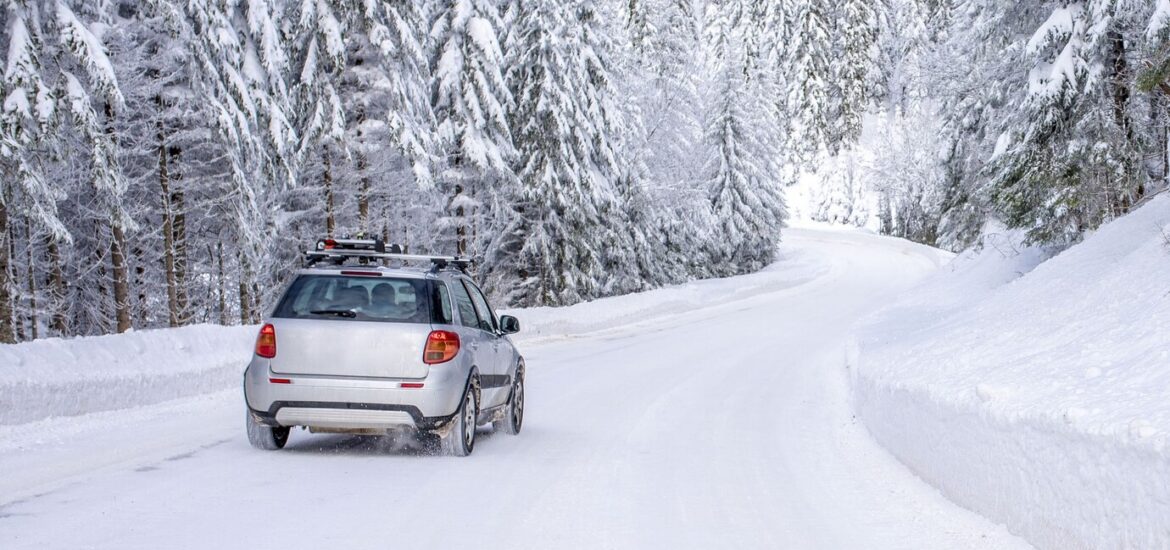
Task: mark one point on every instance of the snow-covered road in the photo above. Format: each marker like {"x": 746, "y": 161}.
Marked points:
{"x": 724, "y": 427}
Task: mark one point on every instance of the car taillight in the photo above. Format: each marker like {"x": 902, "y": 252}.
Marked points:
{"x": 442, "y": 346}
{"x": 266, "y": 342}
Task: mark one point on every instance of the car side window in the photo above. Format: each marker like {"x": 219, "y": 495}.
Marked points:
{"x": 487, "y": 318}
{"x": 442, "y": 304}
{"x": 467, "y": 316}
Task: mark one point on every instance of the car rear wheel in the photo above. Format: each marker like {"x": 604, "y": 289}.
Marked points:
{"x": 514, "y": 412}
{"x": 460, "y": 441}
{"x": 268, "y": 438}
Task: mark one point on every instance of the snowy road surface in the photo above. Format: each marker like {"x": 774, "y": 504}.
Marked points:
{"x": 724, "y": 427}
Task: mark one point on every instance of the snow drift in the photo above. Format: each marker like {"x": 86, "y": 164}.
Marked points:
{"x": 1036, "y": 391}
{"x": 57, "y": 377}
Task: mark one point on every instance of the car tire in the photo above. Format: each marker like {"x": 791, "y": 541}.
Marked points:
{"x": 268, "y": 438}
{"x": 513, "y": 418}
{"x": 460, "y": 441}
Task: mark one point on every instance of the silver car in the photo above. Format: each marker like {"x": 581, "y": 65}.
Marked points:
{"x": 354, "y": 347}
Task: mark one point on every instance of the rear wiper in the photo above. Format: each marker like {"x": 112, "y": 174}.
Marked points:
{"x": 338, "y": 312}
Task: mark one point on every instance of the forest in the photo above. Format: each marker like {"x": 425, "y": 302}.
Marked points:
{"x": 165, "y": 162}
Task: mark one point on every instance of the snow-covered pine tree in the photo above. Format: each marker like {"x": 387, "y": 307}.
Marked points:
{"x": 244, "y": 82}
{"x": 556, "y": 249}
{"x": 389, "y": 121}
{"x": 54, "y": 63}
{"x": 973, "y": 70}
{"x": 319, "y": 55}
{"x": 856, "y": 68}
{"x": 671, "y": 112}
{"x": 470, "y": 101}
{"x": 1155, "y": 81}
{"x": 834, "y": 196}
{"x": 169, "y": 159}
{"x": 27, "y": 111}
{"x": 106, "y": 174}
{"x": 401, "y": 39}
{"x": 629, "y": 261}
{"x": 324, "y": 36}
{"x": 662, "y": 144}
{"x": 29, "y": 108}
{"x": 909, "y": 178}
{"x": 810, "y": 50}
{"x": 640, "y": 27}
{"x": 744, "y": 189}
{"x": 1074, "y": 159}
{"x": 146, "y": 60}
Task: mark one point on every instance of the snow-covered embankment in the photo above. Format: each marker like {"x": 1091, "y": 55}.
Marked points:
{"x": 1035, "y": 392}
{"x": 56, "y": 377}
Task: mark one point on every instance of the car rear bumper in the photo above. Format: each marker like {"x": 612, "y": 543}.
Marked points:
{"x": 352, "y": 403}
{"x": 341, "y": 418}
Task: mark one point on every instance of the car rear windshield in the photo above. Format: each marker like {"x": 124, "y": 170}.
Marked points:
{"x": 339, "y": 297}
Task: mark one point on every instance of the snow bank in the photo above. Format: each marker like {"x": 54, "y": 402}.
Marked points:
{"x": 1035, "y": 392}
{"x": 56, "y": 377}
{"x": 545, "y": 323}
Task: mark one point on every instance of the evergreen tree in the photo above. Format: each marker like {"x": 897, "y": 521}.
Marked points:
{"x": 975, "y": 84}
{"x": 320, "y": 58}
{"x": 743, "y": 188}
{"x": 470, "y": 101}
{"x": 243, "y": 81}
{"x": 837, "y": 197}
{"x": 664, "y": 145}
{"x": 399, "y": 35}
{"x": 809, "y": 90}
{"x": 1074, "y": 159}
{"x": 565, "y": 162}
{"x": 857, "y": 67}
{"x": 659, "y": 141}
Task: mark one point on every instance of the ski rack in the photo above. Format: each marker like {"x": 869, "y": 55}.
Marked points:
{"x": 338, "y": 251}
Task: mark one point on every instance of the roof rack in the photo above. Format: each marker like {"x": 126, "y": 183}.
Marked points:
{"x": 338, "y": 251}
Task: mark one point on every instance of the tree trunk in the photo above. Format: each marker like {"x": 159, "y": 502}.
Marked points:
{"x": 474, "y": 227}
{"x": 102, "y": 314}
{"x": 33, "y": 310}
{"x": 460, "y": 222}
{"x": 327, "y": 179}
{"x": 141, "y": 305}
{"x": 178, "y": 200}
{"x": 1161, "y": 118}
{"x": 168, "y": 231}
{"x": 7, "y": 332}
{"x": 122, "y": 306}
{"x": 257, "y": 302}
{"x": 246, "y": 298}
{"x": 57, "y": 290}
{"x": 363, "y": 194}
{"x": 244, "y": 303}
{"x": 221, "y": 287}
{"x": 14, "y": 284}
{"x": 363, "y": 166}
{"x": 1121, "y": 79}
{"x": 121, "y": 278}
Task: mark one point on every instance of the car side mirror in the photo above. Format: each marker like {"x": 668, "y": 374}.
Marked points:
{"x": 509, "y": 324}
